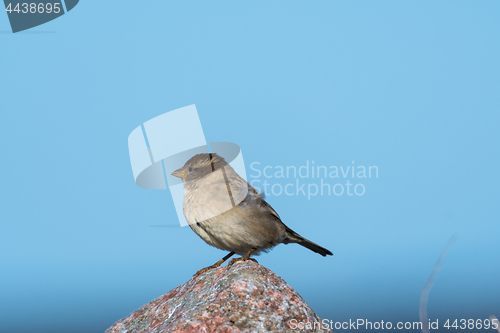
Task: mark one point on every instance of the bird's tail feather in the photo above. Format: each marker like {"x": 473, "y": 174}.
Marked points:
{"x": 294, "y": 237}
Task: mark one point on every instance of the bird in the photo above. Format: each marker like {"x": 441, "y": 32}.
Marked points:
{"x": 225, "y": 211}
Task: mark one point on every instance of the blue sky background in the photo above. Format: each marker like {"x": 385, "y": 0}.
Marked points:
{"x": 411, "y": 87}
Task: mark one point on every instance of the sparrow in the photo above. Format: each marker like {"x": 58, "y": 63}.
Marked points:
{"x": 228, "y": 213}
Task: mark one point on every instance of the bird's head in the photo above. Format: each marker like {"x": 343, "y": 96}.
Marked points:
{"x": 199, "y": 166}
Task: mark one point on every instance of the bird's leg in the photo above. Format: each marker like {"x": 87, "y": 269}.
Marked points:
{"x": 217, "y": 264}
{"x": 243, "y": 258}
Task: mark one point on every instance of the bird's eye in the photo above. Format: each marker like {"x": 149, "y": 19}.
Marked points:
{"x": 190, "y": 169}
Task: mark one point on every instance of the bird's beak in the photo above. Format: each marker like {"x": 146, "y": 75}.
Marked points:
{"x": 179, "y": 173}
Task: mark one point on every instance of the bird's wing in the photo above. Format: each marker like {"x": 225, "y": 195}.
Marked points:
{"x": 253, "y": 195}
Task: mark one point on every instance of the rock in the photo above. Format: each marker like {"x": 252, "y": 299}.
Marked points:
{"x": 245, "y": 297}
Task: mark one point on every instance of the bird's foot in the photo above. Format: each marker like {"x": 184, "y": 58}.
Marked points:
{"x": 243, "y": 258}
{"x": 235, "y": 260}
{"x": 206, "y": 269}
{"x": 217, "y": 264}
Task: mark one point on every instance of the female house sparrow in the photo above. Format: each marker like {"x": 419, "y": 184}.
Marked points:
{"x": 228, "y": 213}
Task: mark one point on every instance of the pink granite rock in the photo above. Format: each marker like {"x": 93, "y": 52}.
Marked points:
{"x": 245, "y": 297}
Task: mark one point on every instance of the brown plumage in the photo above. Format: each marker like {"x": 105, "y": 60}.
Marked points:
{"x": 227, "y": 212}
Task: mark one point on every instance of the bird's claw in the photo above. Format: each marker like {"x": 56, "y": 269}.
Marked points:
{"x": 235, "y": 260}
{"x": 206, "y": 269}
